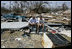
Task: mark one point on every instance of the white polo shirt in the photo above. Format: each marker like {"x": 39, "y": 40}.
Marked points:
{"x": 31, "y": 20}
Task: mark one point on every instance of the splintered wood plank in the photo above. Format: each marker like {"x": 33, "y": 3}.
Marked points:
{"x": 46, "y": 42}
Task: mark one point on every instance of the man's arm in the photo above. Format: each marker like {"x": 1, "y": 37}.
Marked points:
{"x": 30, "y": 20}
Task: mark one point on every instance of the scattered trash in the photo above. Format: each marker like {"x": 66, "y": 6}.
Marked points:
{"x": 24, "y": 35}
{"x": 18, "y": 39}
{"x": 65, "y": 32}
{"x": 53, "y": 31}
{"x": 3, "y": 47}
{"x": 27, "y": 31}
{"x": 2, "y": 40}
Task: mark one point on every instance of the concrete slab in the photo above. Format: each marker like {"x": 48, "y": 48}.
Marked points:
{"x": 13, "y": 25}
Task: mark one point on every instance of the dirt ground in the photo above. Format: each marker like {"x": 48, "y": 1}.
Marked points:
{"x": 10, "y": 40}
{"x": 16, "y": 40}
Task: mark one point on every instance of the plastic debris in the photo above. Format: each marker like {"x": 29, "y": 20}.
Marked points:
{"x": 18, "y": 39}
{"x": 3, "y": 47}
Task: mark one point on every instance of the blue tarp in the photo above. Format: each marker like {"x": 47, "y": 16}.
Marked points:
{"x": 13, "y": 16}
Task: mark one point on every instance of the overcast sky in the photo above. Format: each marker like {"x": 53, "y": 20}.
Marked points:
{"x": 53, "y": 3}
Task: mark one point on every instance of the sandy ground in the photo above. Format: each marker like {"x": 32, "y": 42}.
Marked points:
{"x": 9, "y": 40}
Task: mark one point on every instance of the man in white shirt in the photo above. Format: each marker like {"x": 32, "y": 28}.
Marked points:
{"x": 37, "y": 23}
{"x": 33, "y": 22}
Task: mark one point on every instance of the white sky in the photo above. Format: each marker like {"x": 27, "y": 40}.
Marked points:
{"x": 59, "y": 3}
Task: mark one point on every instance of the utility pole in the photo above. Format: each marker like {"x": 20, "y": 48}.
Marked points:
{"x": 56, "y": 5}
{"x": 10, "y": 6}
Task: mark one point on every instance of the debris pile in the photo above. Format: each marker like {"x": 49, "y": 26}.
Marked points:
{"x": 16, "y": 40}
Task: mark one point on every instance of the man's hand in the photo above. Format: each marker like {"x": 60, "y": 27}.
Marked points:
{"x": 33, "y": 23}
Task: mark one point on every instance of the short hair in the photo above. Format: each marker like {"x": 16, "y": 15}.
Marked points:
{"x": 40, "y": 16}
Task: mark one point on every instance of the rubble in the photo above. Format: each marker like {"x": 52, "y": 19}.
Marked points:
{"x": 18, "y": 39}
{"x": 46, "y": 42}
{"x": 21, "y": 42}
{"x": 67, "y": 33}
{"x": 3, "y": 47}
